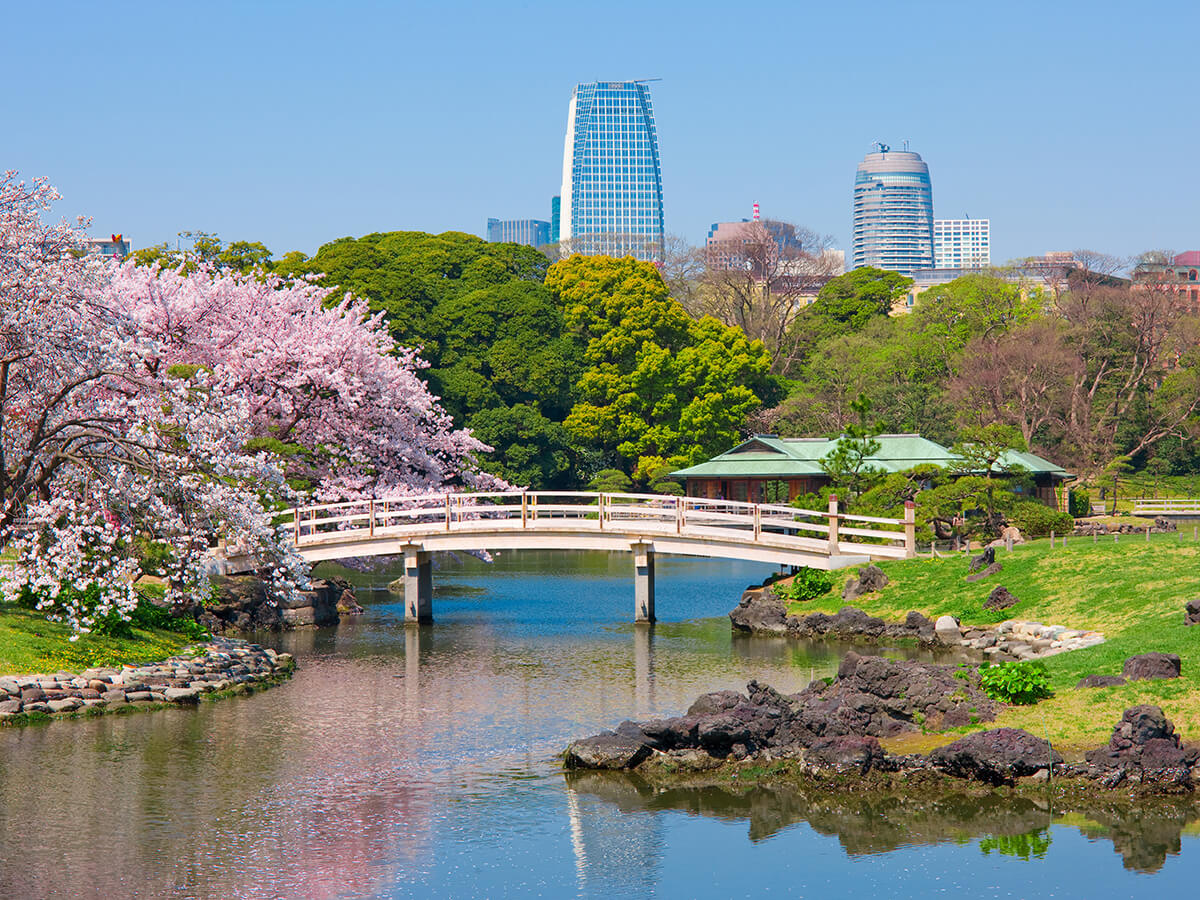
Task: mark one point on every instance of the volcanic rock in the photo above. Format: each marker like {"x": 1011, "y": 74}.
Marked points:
{"x": 1094, "y": 681}
{"x": 1000, "y": 598}
{"x": 1147, "y": 666}
{"x": 761, "y": 612}
{"x": 983, "y": 560}
{"x": 869, "y": 580}
{"x": 996, "y": 756}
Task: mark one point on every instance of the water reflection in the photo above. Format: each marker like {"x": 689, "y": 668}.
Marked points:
{"x": 404, "y": 761}
{"x": 1144, "y": 834}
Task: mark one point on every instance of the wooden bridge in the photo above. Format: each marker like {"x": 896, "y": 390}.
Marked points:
{"x": 1183, "y": 508}
{"x": 645, "y": 524}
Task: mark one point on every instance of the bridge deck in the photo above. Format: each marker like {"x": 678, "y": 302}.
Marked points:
{"x": 560, "y": 520}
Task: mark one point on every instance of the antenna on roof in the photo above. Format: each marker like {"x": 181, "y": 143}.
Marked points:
{"x": 882, "y": 147}
{"x": 906, "y": 146}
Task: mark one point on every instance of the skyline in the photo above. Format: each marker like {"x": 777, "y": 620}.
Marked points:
{"x": 299, "y": 128}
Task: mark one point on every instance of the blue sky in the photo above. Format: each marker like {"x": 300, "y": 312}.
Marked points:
{"x": 1068, "y": 124}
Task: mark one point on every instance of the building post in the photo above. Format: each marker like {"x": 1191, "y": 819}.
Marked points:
{"x": 643, "y": 581}
{"x": 833, "y": 525}
{"x": 418, "y": 586}
{"x": 910, "y": 529}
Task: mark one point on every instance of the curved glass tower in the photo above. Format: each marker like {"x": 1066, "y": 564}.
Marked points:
{"x": 893, "y": 212}
{"x": 612, "y": 184}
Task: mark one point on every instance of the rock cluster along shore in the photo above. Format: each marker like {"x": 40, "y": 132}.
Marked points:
{"x": 834, "y": 729}
{"x": 243, "y": 604}
{"x": 222, "y": 665}
{"x": 761, "y": 613}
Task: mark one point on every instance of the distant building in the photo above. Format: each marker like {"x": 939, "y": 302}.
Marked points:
{"x": 533, "y": 232}
{"x": 117, "y": 246}
{"x": 1180, "y": 274}
{"x": 612, "y": 200}
{"x": 893, "y": 212}
{"x": 962, "y": 243}
{"x": 787, "y": 262}
{"x": 555, "y": 218}
{"x": 771, "y": 469}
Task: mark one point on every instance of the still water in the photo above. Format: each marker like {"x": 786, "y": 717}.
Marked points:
{"x": 421, "y": 763}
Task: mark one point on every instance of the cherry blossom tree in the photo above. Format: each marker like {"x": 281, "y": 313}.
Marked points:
{"x": 326, "y": 388}
{"x": 102, "y": 449}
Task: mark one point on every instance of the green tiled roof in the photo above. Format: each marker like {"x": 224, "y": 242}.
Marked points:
{"x": 765, "y": 456}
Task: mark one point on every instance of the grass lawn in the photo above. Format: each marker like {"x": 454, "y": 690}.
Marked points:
{"x": 1132, "y": 590}
{"x": 29, "y": 644}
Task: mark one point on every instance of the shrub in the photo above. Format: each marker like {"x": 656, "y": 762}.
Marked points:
{"x": 1015, "y": 682}
{"x": 1038, "y": 520}
{"x": 1079, "y": 503}
{"x": 807, "y": 584}
{"x": 610, "y": 481}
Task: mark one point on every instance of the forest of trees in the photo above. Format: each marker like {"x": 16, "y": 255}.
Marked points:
{"x": 592, "y": 364}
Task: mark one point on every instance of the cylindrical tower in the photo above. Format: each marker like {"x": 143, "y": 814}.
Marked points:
{"x": 893, "y": 212}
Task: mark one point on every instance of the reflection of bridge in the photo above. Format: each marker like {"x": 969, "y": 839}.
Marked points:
{"x": 415, "y": 527}
{"x": 1186, "y": 508}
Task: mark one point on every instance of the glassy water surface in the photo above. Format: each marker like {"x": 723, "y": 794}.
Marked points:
{"x": 422, "y": 762}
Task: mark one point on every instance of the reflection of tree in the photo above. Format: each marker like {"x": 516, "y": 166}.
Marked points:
{"x": 878, "y": 822}
{"x": 1032, "y": 845}
{"x": 1144, "y": 834}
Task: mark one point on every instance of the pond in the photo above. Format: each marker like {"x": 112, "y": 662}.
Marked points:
{"x": 405, "y": 762}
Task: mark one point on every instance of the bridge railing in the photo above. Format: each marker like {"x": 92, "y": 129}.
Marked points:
{"x": 826, "y": 531}
{"x": 1175, "y": 505}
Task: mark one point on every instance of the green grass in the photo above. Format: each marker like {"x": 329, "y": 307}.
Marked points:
{"x": 29, "y": 644}
{"x": 1133, "y": 591}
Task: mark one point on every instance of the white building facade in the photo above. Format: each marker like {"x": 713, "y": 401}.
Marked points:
{"x": 962, "y": 243}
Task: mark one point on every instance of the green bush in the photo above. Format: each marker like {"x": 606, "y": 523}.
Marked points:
{"x": 610, "y": 481}
{"x": 807, "y": 584}
{"x": 1038, "y": 520}
{"x": 149, "y": 615}
{"x": 1079, "y": 503}
{"x": 1015, "y": 682}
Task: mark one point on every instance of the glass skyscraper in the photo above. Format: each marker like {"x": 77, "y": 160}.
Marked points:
{"x": 533, "y": 232}
{"x": 893, "y": 212}
{"x": 612, "y": 183}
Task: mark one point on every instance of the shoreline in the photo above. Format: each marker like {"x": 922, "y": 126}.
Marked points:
{"x": 203, "y": 672}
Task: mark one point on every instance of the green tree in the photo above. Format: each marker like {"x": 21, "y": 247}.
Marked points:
{"x": 980, "y": 450}
{"x": 848, "y": 464}
{"x": 657, "y": 383}
{"x": 850, "y": 301}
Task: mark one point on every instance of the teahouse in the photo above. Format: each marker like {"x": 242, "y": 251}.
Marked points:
{"x": 770, "y": 469}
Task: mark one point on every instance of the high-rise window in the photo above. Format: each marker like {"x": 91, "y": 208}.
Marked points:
{"x": 893, "y": 212}
{"x": 612, "y": 183}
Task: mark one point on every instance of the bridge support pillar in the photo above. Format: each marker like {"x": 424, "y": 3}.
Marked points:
{"x": 418, "y": 587}
{"x": 643, "y": 582}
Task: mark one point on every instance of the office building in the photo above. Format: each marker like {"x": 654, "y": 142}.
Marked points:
{"x": 893, "y": 212}
{"x": 612, "y": 199}
{"x": 962, "y": 243}
{"x": 115, "y": 246}
{"x": 555, "y": 218}
{"x": 533, "y": 232}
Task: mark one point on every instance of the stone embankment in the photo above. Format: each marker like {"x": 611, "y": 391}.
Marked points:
{"x": 224, "y": 665}
{"x": 1160, "y": 526}
{"x": 762, "y": 613}
{"x": 834, "y": 729}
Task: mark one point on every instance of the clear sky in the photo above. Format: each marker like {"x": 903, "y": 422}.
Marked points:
{"x": 1068, "y": 124}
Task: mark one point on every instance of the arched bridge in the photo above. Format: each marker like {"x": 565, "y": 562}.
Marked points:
{"x": 646, "y": 524}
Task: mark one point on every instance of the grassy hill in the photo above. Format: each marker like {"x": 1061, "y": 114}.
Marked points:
{"x": 1132, "y": 590}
